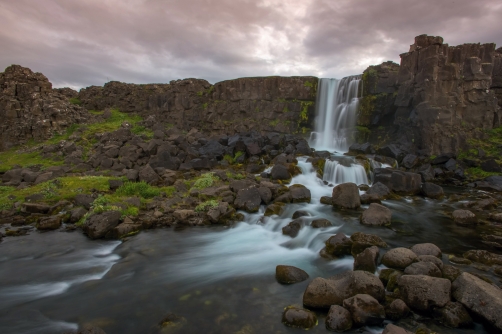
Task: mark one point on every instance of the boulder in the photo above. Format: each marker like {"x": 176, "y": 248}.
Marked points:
{"x": 367, "y": 260}
{"x": 322, "y": 293}
{"x": 274, "y": 209}
{"x": 393, "y": 329}
{"x": 379, "y": 189}
{"x": 289, "y": 274}
{"x": 346, "y": 195}
{"x": 432, "y": 190}
{"x": 397, "y": 310}
{"x": 338, "y": 319}
{"x": 422, "y": 293}
{"x": 328, "y": 200}
{"x": 320, "y": 223}
{"x": 265, "y": 194}
{"x": 370, "y": 198}
{"x": 280, "y": 172}
{"x": 99, "y": 224}
{"x": 399, "y": 258}
{"x": 77, "y": 214}
{"x": 426, "y": 249}
{"x": 220, "y": 214}
{"x": 464, "y": 217}
{"x": 423, "y": 268}
{"x": 36, "y": 208}
{"x": 49, "y": 223}
{"x": 299, "y": 318}
{"x": 84, "y": 200}
{"x": 248, "y": 199}
{"x": 450, "y": 272}
{"x": 365, "y": 310}
{"x": 299, "y": 194}
{"x": 293, "y": 228}
{"x": 453, "y": 315}
{"x": 479, "y": 297}
{"x": 483, "y": 257}
{"x": 339, "y": 244}
{"x": 431, "y": 259}
{"x": 188, "y": 217}
{"x": 361, "y": 241}
{"x": 376, "y": 215}
{"x": 128, "y": 227}
{"x": 300, "y": 213}
{"x": 403, "y": 183}
{"x": 148, "y": 175}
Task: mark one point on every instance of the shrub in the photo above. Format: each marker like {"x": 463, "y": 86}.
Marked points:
{"x": 205, "y": 181}
{"x": 141, "y": 189}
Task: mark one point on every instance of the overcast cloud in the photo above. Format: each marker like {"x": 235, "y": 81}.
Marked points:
{"x": 78, "y": 43}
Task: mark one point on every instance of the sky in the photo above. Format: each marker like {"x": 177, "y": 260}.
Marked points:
{"x": 78, "y": 43}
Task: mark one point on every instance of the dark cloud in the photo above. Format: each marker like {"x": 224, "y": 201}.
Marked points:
{"x": 80, "y": 43}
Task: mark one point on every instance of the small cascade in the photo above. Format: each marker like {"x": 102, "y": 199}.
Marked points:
{"x": 336, "y": 107}
{"x": 336, "y": 173}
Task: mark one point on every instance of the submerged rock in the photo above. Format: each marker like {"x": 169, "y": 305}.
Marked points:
{"x": 299, "y": 318}
{"x": 483, "y": 257}
{"x": 367, "y": 260}
{"x": 338, "y": 319}
{"x": 320, "y": 223}
{"x": 464, "y": 217}
{"x": 289, "y": 274}
{"x": 376, "y": 215}
{"x": 393, "y": 329}
{"x": 361, "y": 241}
{"x": 432, "y": 190}
{"x": 293, "y": 228}
{"x": 98, "y": 225}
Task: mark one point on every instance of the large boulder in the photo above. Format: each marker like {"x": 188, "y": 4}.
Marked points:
{"x": 453, "y": 315}
{"x": 397, "y": 310}
{"x": 338, "y": 319}
{"x": 365, "y": 310}
{"x": 479, "y": 297}
{"x": 289, "y": 274}
{"x": 399, "y": 258}
{"x": 299, "y": 194}
{"x": 379, "y": 189}
{"x": 404, "y": 183}
{"x": 361, "y": 241}
{"x": 99, "y": 224}
{"x": 280, "y": 172}
{"x": 322, "y": 293}
{"x": 422, "y": 293}
{"x": 338, "y": 245}
{"x": 427, "y": 249}
{"x": 248, "y": 199}
{"x": 148, "y": 175}
{"x": 49, "y": 223}
{"x": 376, "y": 215}
{"x": 423, "y": 268}
{"x": 464, "y": 217}
{"x": 346, "y": 195}
{"x": 367, "y": 260}
{"x": 432, "y": 190}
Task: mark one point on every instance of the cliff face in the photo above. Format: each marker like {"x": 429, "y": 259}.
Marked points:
{"x": 280, "y": 104}
{"x": 31, "y": 110}
{"x": 440, "y": 96}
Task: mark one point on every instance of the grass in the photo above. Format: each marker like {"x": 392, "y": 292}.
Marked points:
{"x": 141, "y": 189}
{"x": 13, "y": 157}
{"x": 75, "y": 100}
{"x": 477, "y": 172}
{"x": 207, "y": 205}
{"x": 232, "y": 160}
{"x": 205, "y": 181}
{"x": 237, "y": 176}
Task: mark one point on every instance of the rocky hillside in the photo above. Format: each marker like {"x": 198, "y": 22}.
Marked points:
{"x": 31, "y": 110}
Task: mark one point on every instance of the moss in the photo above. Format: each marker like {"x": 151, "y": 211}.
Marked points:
{"x": 274, "y": 122}
{"x": 141, "y": 189}
{"x": 207, "y": 205}
{"x": 75, "y": 100}
{"x": 204, "y": 106}
{"x": 369, "y": 79}
{"x": 200, "y": 93}
{"x": 304, "y": 116}
{"x": 205, "y": 181}
{"x": 237, "y": 176}
{"x": 308, "y": 84}
{"x": 13, "y": 157}
{"x": 477, "y": 172}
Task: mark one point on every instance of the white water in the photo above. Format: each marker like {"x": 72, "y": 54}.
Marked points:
{"x": 336, "y": 173}
{"x": 336, "y": 107}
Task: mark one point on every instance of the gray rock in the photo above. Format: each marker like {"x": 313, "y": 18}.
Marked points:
{"x": 320, "y": 223}
{"x": 365, "y": 310}
{"x": 49, "y": 223}
{"x": 293, "y": 228}
{"x": 346, "y": 195}
{"x": 379, "y": 189}
{"x": 484, "y": 257}
{"x": 423, "y": 268}
{"x": 361, "y": 241}
{"x": 426, "y": 249}
{"x": 393, "y": 329}
{"x": 84, "y": 200}
{"x": 453, "y": 315}
{"x": 289, "y": 274}
{"x": 422, "y": 293}
{"x": 376, "y": 215}
{"x": 300, "y": 213}
{"x": 432, "y": 259}
{"x": 35, "y": 208}
{"x": 450, "y": 272}
{"x": 248, "y": 200}
{"x": 367, "y": 260}
{"x": 397, "y": 310}
{"x": 338, "y": 319}
{"x": 299, "y": 318}
{"x": 299, "y": 194}
{"x": 399, "y": 258}
{"x": 464, "y": 217}
{"x": 280, "y": 172}
{"x": 432, "y": 190}
{"x": 265, "y": 194}
{"x": 148, "y": 175}
{"x": 339, "y": 244}
{"x": 77, "y": 214}
{"x": 99, "y": 224}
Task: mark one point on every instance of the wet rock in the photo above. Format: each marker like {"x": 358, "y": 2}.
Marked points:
{"x": 432, "y": 259}
{"x": 453, "y": 315}
{"x": 409, "y": 161}
{"x": 36, "y": 208}
{"x": 367, "y": 260}
{"x": 99, "y": 224}
{"x": 365, "y": 310}
{"x": 322, "y": 293}
{"x": 361, "y": 241}
{"x": 265, "y": 194}
{"x": 172, "y": 322}
{"x": 299, "y": 318}
{"x": 326, "y": 200}
{"x": 248, "y": 200}
{"x": 339, "y": 244}
{"x": 188, "y": 217}
{"x": 300, "y": 213}
{"x": 490, "y": 165}
{"x": 464, "y": 217}
{"x": 280, "y": 172}
{"x": 370, "y": 198}
{"x": 90, "y": 329}
{"x": 450, "y": 272}
{"x": 393, "y": 329}
{"x": 289, "y": 274}
{"x": 422, "y": 292}
{"x": 483, "y": 257}
{"x": 274, "y": 209}
{"x": 426, "y": 249}
{"x": 399, "y": 258}
{"x": 320, "y": 223}
{"x": 379, "y": 189}
{"x": 404, "y": 183}
{"x": 49, "y": 223}
{"x": 338, "y": 319}
{"x": 346, "y": 195}
{"x": 148, "y": 175}
{"x": 84, "y": 200}
{"x": 376, "y": 215}
{"x": 397, "y": 310}
{"x": 423, "y": 268}
{"x": 480, "y": 297}
{"x": 299, "y": 194}
{"x": 220, "y": 214}
{"x": 293, "y": 228}
{"x": 459, "y": 260}
{"x": 432, "y": 190}
{"x": 126, "y": 228}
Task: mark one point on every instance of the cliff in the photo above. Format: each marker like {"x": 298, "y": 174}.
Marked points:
{"x": 31, "y": 110}
{"x": 279, "y": 104}
{"x": 438, "y": 101}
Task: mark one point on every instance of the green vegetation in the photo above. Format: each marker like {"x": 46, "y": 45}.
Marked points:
{"x": 233, "y": 160}
{"x": 477, "y": 172}
{"x": 75, "y": 100}
{"x": 141, "y": 189}
{"x": 369, "y": 78}
{"x": 207, "y": 205}
{"x": 200, "y": 93}
{"x": 204, "y": 106}
{"x": 237, "y": 176}
{"x": 205, "y": 181}
{"x": 13, "y": 157}
{"x": 308, "y": 84}
{"x": 274, "y": 122}
{"x": 304, "y": 116}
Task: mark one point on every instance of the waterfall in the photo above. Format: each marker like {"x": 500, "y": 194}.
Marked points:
{"x": 336, "y": 173}
{"x": 336, "y": 107}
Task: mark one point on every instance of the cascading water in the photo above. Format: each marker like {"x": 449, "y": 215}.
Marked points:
{"x": 336, "y": 107}
{"x": 335, "y": 172}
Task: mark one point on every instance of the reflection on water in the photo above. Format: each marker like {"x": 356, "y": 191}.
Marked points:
{"x": 221, "y": 279}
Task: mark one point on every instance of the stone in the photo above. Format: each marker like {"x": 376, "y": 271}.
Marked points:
{"x": 49, "y": 223}
{"x": 320, "y": 223}
{"x": 299, "y": 318}
{"x": 328, "y": 200}
{"x": 367, "y": 260}
{"x": 370, "y": 198}
{"x": 187, "y": 217}
{"x": 403, "y": 183}
{"x": 450, "y": 272}
{"x": 265, "y": 194}
{"x": 293, "y": 228}
{"x": 338, "y": 319}
{"x": 397, "y": 310}
{"x": 84, "y": 200}
{"x": 379, "y": 189}
{"x": 280, "y": 172}
{"x": 346, "y": 195}
{"x": 339, "y": 244}
{"x": 483, "y": 257}
{"x": 393, "y": 329}
{"x": 322, "y": 293}
{"x": 464, "y": 217}
{"x": 299, "y": 194}
{"x": 361, "y": 241}
{"x": 289, "y": 274}
{"x": 376, "y": 215}
{"x": 274, "y": 209}
{"x": 432, "y": 190}
{"x": 131, "y": 174}
{"x": 115, "y": 184}
{"x": 365, "y": 310}
{"x": 453, "y": 315}
{"x": 399, "y": 258}
{"x": 98, "y": 225}
{"x": 148, "y": 175}
{"x": 300, "y": 213}
{"x": 422, "y": 293}
{"x": 423, "y": 268}
{"x": 426, "y": 249}
{"x": 127, "y": 228}
{"x": 248, "y": 199}
{"x": 36, "y": 208}
{"x": 479, "y": 297}
{"x": 431, "y": 259}
{"x": 77, "y": 214}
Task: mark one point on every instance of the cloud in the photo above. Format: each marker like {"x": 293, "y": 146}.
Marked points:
{"x": 81, "y": 43}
